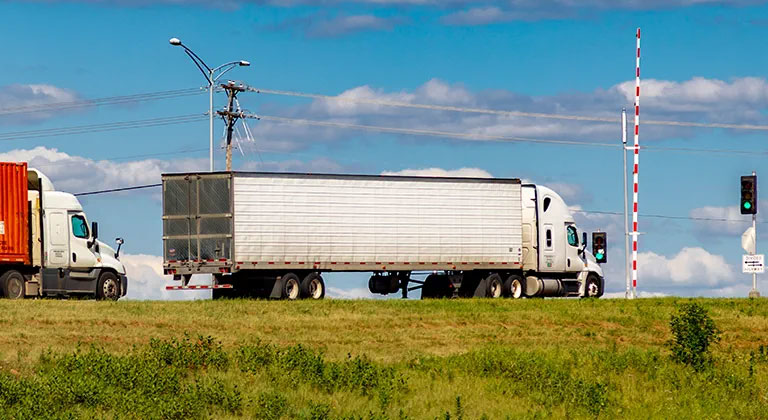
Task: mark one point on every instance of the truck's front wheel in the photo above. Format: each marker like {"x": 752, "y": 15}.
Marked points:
{"x": 12, "y": 285}
{"x": 108, "y": 288}
{"x": 593, "y": 288}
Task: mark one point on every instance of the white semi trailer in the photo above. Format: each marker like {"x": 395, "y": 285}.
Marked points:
{"x": 275, "y": 234}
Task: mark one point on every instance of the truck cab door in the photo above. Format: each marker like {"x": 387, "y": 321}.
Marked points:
{"x": 56, "y": 253}
{"x": 82, "y": 257}
{"x": 574, "y": 261}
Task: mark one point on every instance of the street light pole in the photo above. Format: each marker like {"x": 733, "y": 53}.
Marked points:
{"x": 211, "y": 77}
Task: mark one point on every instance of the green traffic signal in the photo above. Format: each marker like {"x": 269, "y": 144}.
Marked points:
{"x": 599, "y": 255}
{"x": 747, "y": 205}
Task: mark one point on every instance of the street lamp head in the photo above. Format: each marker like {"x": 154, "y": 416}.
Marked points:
{"x": 175, "y": 41}
{"x": 244, "y": 63}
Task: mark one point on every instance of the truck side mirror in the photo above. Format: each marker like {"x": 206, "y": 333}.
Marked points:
{"x": 94, "y": 230}
{"x": 584, "y": 239}
{"x": 119, "y": 242}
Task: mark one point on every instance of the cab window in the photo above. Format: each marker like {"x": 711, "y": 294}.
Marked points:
{"x": 573, "y": 236}
{"x": 79, "y": 227}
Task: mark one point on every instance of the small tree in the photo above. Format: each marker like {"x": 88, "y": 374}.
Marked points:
{"x": 693, "y": 331}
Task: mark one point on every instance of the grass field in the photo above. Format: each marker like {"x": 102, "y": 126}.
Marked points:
{"x": 457, "y": 359}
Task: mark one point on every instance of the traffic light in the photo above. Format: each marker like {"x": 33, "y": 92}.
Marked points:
{"x": 748, "y": 194}
{"x": 599, "y": 247}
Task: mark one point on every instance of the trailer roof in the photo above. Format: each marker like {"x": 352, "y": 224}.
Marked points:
{"x": 346, "y": 176}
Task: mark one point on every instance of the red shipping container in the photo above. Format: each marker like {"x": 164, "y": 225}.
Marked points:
{"x": 14, "y": 214}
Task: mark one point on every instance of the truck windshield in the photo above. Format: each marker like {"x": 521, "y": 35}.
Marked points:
{"x": 79, "y": 227}
{"x": 573, "y": 236}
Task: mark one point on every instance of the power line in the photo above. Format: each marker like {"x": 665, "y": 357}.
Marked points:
{"x": 661, "y": 216}
{"x": 488, "y": 137}
{"x": 109, "y": 100}
{"x": 425, "y": 132}
{"x": 114, "y": 190}
{"x": 94, "y": 128}
{"x": 371, "y": 101}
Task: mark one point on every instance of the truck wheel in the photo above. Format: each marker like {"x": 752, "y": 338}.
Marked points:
{"x": 108, "y": 288}
{"x": 12, "y": 285}
{"x": 313, "y": 287}
{"x": 291, "y": 287}
{"x": 494, "y": 286}
{"x": 513, "y": 286}
{"x": 592, "y": 289}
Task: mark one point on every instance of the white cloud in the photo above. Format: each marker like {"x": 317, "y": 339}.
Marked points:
{"x": 720, "y": 227}
{"x": 691, "y": 267}
{"x": 740, "y": 100}
{"x": 31, "y": 95}
{"x": 345, "y": 25}
{"x": 78, "y": 174}
{"x": 146, "y": 280}
{"x": 439, "y": 172}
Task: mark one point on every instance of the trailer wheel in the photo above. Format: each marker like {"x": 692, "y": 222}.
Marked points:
{"x": 313, "y": 287}
{"x": 513, "y": 286}
{"x": 12, "y": 285}
{"x": 593, "y": 289}
{"x": 291, "y": 287}
{"x": 494, "y": 286}
{"x": 108, "y": 288}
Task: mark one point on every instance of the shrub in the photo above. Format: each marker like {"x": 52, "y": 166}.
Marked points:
{"x": 693, "y": 331}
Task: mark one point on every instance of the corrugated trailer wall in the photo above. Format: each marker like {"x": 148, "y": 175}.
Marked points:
{"x": 14, "y": 213}
{"x": 340, "y": 222}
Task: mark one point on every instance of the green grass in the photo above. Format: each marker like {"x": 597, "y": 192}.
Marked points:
{"x": 457, "y": 359}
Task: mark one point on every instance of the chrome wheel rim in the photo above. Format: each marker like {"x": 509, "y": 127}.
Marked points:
{"x": 292, "y": 289}
{"x": 517, "y": 289}
{"x": 110, "y": 288}
{"x": 495, "y": 289}
{"x": 315, "y": 289}
{"x": 592, "y": 289}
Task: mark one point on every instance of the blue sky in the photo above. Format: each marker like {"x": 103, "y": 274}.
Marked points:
{"x": 701, "y": 62}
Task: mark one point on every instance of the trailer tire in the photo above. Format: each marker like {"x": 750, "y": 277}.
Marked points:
{"x": 12, "y": 285}
{"x": 291, "y": 287}
{"x": 514, "y": 286}
{"x": 495, "y": 286}
{"x": 108, "y": 287}
{"x": 313, "y": 287}
{"x": 593, "y": 288}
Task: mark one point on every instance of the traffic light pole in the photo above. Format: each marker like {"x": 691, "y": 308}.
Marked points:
{"x": 628, "y": 292}
{"x": 754, "y": 293}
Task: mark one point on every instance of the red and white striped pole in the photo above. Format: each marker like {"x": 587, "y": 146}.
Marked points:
{"x": 634, "y": 171}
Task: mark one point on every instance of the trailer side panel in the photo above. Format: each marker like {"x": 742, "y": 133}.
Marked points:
{"x": 370, "y": 223}
{"x": 14, "y": 218}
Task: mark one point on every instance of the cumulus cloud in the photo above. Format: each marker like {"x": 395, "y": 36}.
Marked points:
{"x": 146, "y": 280}
{"x": 740, "y": 100}
{"x": 31, "y": 95}
{"x": 695, "y": 270}
{"x": 78, "y": 174}
{"x": 735, "y": 226}
{"x": 439, "y": 172}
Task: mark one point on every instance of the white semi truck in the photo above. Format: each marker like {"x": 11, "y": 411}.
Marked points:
{"x": 275, "y": 234}
{"x": 47, "y": 247}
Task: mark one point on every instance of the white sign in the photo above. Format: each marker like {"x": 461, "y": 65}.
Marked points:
{"x": 2, "y": 227}
{"x": 748, "y": 240}
{"x": 753, "y": 264}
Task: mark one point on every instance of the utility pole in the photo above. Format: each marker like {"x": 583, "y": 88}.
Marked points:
{"x": 230, "y": 116}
